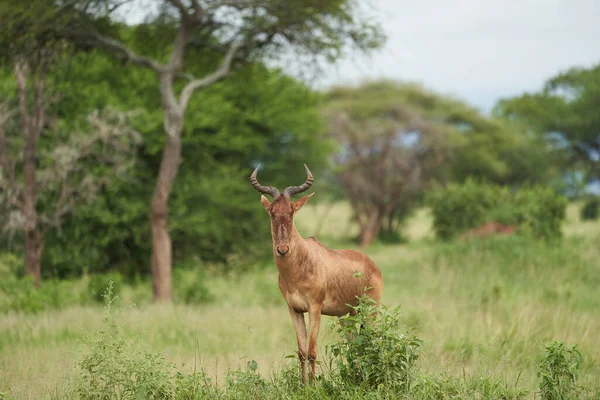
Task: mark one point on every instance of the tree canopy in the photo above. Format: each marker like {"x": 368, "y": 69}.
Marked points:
{"x": 564, "y": 113}
{"x": 397, "y": 138}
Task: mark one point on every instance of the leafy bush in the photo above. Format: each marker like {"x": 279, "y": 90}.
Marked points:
{"x": 114, "y": 367}
{"x": 591, "y": 209}
{"x": 558, "y": 372}
{"x": 245, "y": 383}
{"x": 189, "y": 287}
{"x": 20, "y": 294}
{"x": 10, "y": 264}
{"x": 370, "y": 361}
{"x": 98, "y": 284}
{"x": 537, "y": 211}
{"x": 374, "y": 349}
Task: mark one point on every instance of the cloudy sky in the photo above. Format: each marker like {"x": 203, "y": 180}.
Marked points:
{"x": 478, "y": 50}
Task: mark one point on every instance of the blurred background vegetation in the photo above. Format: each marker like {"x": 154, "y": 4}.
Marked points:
{"x": 380, "y": 145}
{"x": 125, "y": 152}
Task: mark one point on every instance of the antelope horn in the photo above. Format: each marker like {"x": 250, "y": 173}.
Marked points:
{"x": 292, "y": 190}
{"x": 263, "y": 189}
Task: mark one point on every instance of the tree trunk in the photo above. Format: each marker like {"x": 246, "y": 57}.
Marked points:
{"x": 161, "y": 239}
{"x": 32, "y": 260}
{"x": 371, "y": 228}
{"x": 33, "y": 255}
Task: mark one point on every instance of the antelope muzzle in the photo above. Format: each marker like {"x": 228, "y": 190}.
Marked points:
{"x": 282, "y": 249}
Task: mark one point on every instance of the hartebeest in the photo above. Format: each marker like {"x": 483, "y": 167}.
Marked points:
{"x": 312, "y": 277}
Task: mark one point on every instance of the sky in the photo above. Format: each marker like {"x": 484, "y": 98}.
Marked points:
{"x": 476, "y": 50}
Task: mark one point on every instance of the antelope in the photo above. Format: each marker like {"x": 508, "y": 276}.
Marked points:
{"x": 313, "y": 279}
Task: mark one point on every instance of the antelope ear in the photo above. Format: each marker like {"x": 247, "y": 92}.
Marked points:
{"x": 265, "y": 202}
{"x": 300, "y": 202}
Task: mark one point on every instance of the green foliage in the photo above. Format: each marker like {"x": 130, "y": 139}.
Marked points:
{"x": 537, "y": 211}
{"x": 458, "y": 207}
{"x": 558, "y": 371}
{"x": 189, "y": 287}
{"x": 245, "y": 383}
{"x": 450, "y": 387}
{"x": 374, "y": 351}
{"x": 21, "y": 295}
{"x": 98, "y": 284}
{"x": 116, "y": 368}
{"x": 495, "y": 149}
{"x": 591, "y": 209}
{"x": 564, "y": 113}
{"x": 259, "y": 115}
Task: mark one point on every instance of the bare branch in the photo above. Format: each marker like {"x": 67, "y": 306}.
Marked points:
{"x": 8, "y": 184}
{"x": 237, "y": 4}
{"x": 183, "y": 10}
{"x": 198, "y": 12}
{"x": 21, "y": 70}
{"x": 219, "y": 74}
{"x": 40, "y": 108}
{"x": 119, "y": 48}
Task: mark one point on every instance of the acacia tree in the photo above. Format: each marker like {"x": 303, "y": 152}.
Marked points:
{"x": 385, "y": 162}
{"x": 234, "y": 31}
{"x": 397, "y": 138}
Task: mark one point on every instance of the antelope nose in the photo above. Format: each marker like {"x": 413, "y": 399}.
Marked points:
{"x": 283, "y": 249}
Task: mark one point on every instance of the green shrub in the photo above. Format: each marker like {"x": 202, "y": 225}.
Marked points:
{"x": 20, "y": 294}
{"x": 457, "y": 208}
{"x": 189, "y": 287}
{"x": 114, "y": 367}
{"x": 375, "y": 350}
{"x": 245, "y": 383}
{"x": 10, "y": 264}
{"x": 537, "y": 211}
{"x": 591, "y": 209}
{"x": 98, "y": 284}
{"x": 558, "y": 372}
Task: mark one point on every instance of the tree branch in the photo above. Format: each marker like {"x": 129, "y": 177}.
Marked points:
{"x": 40, "y": 108}
{"x": 219, "y": 74}
{"x": 183, "y": 10}
{"x": 198, "y": 11}
{"x": 119, "y": 48}
{"x": 6, "y": 166}
{"x": 21, "y": 69}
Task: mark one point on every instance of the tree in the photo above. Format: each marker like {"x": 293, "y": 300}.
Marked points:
{"x": 390, "y": 150}
{"x": 259, "y": 115}
{"x": 565, "y": 114}
{"x": 56, "y": 177}
{"x": 238, "y": 31}
{"x": 397, "y": 138}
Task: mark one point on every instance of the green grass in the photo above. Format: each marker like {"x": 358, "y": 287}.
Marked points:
{"x": 482, "y": 309}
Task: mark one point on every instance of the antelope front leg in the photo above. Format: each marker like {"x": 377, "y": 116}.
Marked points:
{"x": 314, "y": 313}
{"x": 300, "y": 327}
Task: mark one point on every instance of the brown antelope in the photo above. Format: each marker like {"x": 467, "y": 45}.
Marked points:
{"x": 312, "y": 277}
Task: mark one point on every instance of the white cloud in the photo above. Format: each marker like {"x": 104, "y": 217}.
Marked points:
{"x": 478, "y": 50}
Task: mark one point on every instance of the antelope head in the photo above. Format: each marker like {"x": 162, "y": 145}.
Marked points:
{"x": 282, "y": 210}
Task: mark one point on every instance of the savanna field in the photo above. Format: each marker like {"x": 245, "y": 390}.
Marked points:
{"x": 484, "y": 310}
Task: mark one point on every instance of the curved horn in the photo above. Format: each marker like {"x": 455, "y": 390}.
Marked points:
{"x": 292, "y": 190}
{"x": 263, "y": 189}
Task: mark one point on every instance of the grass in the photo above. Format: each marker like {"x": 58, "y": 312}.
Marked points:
{"x": 482, "y": 309}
